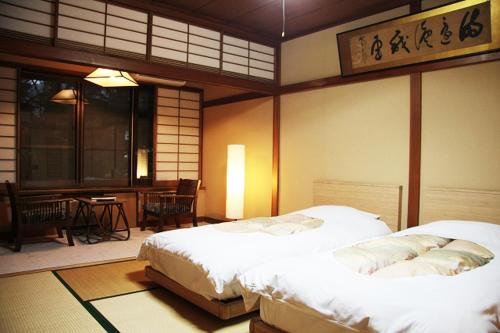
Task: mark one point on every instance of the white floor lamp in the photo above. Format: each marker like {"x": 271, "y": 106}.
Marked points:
{"x": 235, "y": 181}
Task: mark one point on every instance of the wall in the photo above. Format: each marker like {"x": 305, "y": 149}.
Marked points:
{"x": 249, "y": 123}
{"x": 357, "y": 132}
{"x": 461, "y": 128}
{"x": 315, "y": 55}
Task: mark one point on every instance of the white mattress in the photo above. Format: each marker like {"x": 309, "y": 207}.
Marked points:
{"x": 209, "y": 261}
{"x": 467, "y": 302}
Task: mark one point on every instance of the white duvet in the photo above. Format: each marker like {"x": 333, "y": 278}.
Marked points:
{"x": 208, "y": 261}
{"x": 318, "y": 284}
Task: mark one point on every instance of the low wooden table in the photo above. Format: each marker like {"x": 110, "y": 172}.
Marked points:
{"x": 105, "y": 229}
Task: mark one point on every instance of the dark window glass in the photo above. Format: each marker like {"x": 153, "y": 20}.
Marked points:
{"x": 144, "y": 135}
{"x": 106, "y": 150}
{"x": 47, "y": 133}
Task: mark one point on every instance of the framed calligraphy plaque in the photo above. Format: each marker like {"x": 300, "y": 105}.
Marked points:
{"x": 462, "y": 28}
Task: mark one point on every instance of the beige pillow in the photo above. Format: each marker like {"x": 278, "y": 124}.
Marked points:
{"x": 467, "y": 246}
{"x": 453, "y": 261}
{"x": 368, "y": 260}
{"x": 389, "y": 242}
{"x": 430, "y": 241}
{"x": 410, "y": 268}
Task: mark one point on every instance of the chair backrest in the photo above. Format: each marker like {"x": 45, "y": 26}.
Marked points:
{"x": 189, "y": 187}
{"x": 11, "y": 190}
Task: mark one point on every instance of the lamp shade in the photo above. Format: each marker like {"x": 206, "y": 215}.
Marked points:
{"x": 111, "y": 78}
{"x": 65, "y": 96}
{"x": 235, "y": 182}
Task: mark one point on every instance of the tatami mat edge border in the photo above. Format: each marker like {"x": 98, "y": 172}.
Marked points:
{"x": 89, "y": 307}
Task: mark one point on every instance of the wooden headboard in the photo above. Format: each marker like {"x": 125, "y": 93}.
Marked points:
{"x": 383, "y": 200}
{"x": 460, "y": 204}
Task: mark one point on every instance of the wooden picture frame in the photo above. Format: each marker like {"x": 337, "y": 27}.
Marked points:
{"x": 462, "y": 28}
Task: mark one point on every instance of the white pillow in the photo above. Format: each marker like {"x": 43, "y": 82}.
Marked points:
{"x": 328, "y": 210}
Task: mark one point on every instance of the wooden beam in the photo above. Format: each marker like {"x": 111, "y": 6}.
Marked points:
{"x": 418, "y": 68}
{"x": 415, "y": 149}
{"x": 39, "y": 51}
{"x": 233, "y": 99}
{"x": 276, "y": 155}
{"x": 415, "y": 140}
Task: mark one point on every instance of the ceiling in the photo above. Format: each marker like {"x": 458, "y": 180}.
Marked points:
{"x": 265, "y": 16}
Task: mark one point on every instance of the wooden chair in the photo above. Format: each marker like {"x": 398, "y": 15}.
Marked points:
{"x": 181, "y": 204}
{"x": 37, "y": 212}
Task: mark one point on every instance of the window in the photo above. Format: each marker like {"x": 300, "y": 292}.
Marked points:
{"x": 85, "y": 140}
{"x": 143, "y": 134}
{"x": 106, "y": 140}
{"x": 105, "y": 136}
{"x": 47, "y": 133}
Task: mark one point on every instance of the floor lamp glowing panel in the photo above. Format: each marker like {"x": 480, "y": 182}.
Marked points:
{"x": 235, "y": 182}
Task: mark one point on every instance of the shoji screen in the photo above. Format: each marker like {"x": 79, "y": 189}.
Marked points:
{"x": 204, "y": 47}
{"x": 235, "y": 53}
{"x": 261, "y": 61}
{"x": 177, "y": 134}
{"x": 8, "y": 106}
{"x": 96, "y": 25}
{"x": 169, "y": 40}
{"x": 126, "y": 31}
{"x": 33, "y": 19}
{"x": 81, "y": 23}
{"x": 249, "y": 59}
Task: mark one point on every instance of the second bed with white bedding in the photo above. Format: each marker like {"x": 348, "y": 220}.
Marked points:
{"x": 317, "y": 293}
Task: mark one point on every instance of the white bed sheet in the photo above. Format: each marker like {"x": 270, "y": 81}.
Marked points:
{"x": 318, "y": 284}
{"x": 208, "y": 261}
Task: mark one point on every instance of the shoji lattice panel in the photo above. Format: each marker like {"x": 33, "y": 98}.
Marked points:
{"x": 82, "y": 23}
{"x": 169, "y": 41}
{"x": 204, "y": 47}
{"x": 177, "y": 134}
{"x": 261, "y": 61}
{"x": 8, "y": 107}
{"x": 189, "y": 135}
{"x": 27, "y": 19}
{"x": 235, "y": 55}
{"x": 242, "y": 57}
{"x": 126, "y": 31}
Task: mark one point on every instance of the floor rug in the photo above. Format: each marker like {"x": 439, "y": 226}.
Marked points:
{"x": 57, "y": 254}
{"x": 93, "y": 282}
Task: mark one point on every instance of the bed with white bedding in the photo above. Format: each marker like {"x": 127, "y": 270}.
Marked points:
{"x": 342, "y": 298}
{"x": 208, "y": 260}
{"x": 202, "y": 264}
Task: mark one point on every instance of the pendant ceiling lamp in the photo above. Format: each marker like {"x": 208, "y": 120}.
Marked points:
{"x": 111, "y": 78}
{"x": 65, "y": 96}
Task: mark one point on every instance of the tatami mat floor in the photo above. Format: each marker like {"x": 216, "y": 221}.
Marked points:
{"x": 95, "y": 296}
{"x": 114, "y": 297}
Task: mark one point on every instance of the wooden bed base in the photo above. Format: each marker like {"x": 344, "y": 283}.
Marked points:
{"x": 225, "y": 309}
{"x": 257, "y": 325}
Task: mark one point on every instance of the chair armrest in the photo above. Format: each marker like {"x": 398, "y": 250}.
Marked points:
{"x": 41, "y": 197}
{"x": 175, "y": 196}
